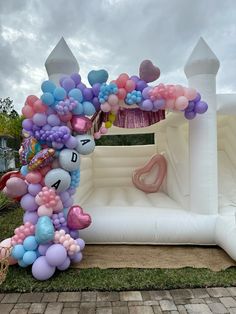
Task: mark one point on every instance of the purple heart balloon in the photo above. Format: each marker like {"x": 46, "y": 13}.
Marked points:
{"x": 148, "y": 72}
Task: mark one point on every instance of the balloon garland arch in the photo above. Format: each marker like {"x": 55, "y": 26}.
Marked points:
{"x": 58, "y": 128}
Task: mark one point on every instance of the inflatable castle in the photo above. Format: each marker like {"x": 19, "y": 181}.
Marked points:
{"x": 180, "y": 190}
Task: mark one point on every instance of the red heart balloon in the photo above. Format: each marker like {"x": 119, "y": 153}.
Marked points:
{"x": 77, "y": 219}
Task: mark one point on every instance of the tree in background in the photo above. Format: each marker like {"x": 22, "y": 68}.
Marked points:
{"x": 10, "y": 125}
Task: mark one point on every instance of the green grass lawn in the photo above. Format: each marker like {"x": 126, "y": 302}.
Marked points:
{"x": 21, "y": 280}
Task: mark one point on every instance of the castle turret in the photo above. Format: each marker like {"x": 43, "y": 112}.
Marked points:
{"x": 61, "y": 61}
{"x": 201, "y": 70}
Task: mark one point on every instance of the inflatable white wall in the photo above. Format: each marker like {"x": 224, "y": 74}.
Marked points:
{"x": 197, "y": 201}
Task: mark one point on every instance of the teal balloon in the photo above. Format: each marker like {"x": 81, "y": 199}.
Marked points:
{"x": 89, "y": 108}
{"x": 44, "y": 231}
{"x": 99, "y": 76}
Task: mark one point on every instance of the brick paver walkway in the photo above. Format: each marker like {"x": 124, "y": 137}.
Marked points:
{"x": 209, "y": 300}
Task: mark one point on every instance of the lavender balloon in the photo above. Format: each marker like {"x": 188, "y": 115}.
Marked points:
{"x": 41, "y": 270}
{"x": 30, "y": 217}
{"x": 201, "y": 107}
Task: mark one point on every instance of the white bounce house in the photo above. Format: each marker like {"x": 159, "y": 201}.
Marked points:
{"x": 197, "y": 200}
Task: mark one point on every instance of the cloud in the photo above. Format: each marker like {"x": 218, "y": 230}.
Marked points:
{"x": 112, "y": 34}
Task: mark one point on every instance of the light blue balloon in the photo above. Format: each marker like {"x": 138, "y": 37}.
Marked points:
{"x": 59, "y": 93}
{"x": 48, "y": 86}
{"x": 47, "y": 99}
{"x": 18, "y": 251}
{"x": 30, "y": 243}
{"x": 22, "y": 263}
{"x": 79, "y": 109}
{"x": 99, "y": 76}
{"x": 89, "y": 109}
{"x": 44, "y": 231}
{"x": 76, "y": 94}
{"x": 29, "y": 257}
{"x": 24, "y": 170}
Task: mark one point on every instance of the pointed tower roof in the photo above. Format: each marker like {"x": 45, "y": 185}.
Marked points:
{"x": 202, "y": 60}
{"x": 61, "y": 61}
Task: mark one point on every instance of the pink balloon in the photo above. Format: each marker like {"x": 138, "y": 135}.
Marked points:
{"x": 39, "y": 106}
{"x": 105, "y": 107}
{"x": 81, "y": 124}
{"x": 97, "y": 135}
{"x": 4, "y": 246}
{"x": 34, "y": 177}
{"x": 77, "y": 219}
{"x": 179, "y": 90}
{"x": 103, "y": 130}
{"x": 181, "y": 103}
{"x": 30, "y": 100}
{"x": 113, "y": 100}
{"x": 170, "y": 103}
{"x": 121, "y": 93}
{"x": 16, "y": 187}
{"x": 27, "y": 111}
{"x": 147, "y": 170}
{"x": 129, "y": 85}
{"x": 67, "y": 117}
{"x": 44, "y": 211}
{"x": 190, "y": 93}
{"x": 122, "y": 79}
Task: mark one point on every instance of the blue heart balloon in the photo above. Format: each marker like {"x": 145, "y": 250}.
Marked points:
{"x": 44, "y": 231}
{"x": 99, "y": 76}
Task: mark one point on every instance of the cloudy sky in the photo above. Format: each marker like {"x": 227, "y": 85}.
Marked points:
{"x": 112, "y": 34}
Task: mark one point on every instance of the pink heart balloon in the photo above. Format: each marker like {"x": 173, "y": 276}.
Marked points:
{"x": 77, "y": 219}
{"x": 146, "y": 170}
{"x": 148, "y": 71}
{"x": 81, "y": 124}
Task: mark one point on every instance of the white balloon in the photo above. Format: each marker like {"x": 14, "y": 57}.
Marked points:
{"x": 69, "y": 159}
{"x": 86, "y": 144}
{"x": 58, "y": 179}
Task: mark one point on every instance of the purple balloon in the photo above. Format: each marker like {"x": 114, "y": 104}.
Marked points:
{"x": 159, "y": 104}
{"x": 68, "y": 202}
{"x": 81, "y": 86}
{"x": 50, "y": 111}
{"x": 68, "y": 84}
{"x": 76, "y": 78}
{"x": 28, "y": 203}
{"x": 197, "y": 98}
{"x": 30, "y": 217}
{"x": 71, "y": 142}
{"x": 145, "y": 92}
{"x": 140, "y": 85}
{"x": 96, "y": 103}
{"x": 77, "y": 257}
{"x": 34, "y": 189}
{"x": 201, "y": 107}
{"x": 53, "y": 120}
{"x": 71, "y": 191}
{"x": 63, "y": 78}
{"x": 191, "y": 106}
{"x": 81, "y": 243}
{"x": 41, "y": 270}
{"x": 135, "y": 78}
{"x": 190, "y": 115}
{"x": 74, "y": 234}
{"x": 40, "y": 119}
{"x": 96, "y": 88}
{"x": 65, "y": 265}
{"x": 64, "y": 196}
{"x": 27, "y": 124}
{"x": 43, "y": 248}
{"x": 87, "y": 93}
{"x": 56, "y": 255}
{"x": 46, "y": 127}
{"x": 147, "y": 105}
